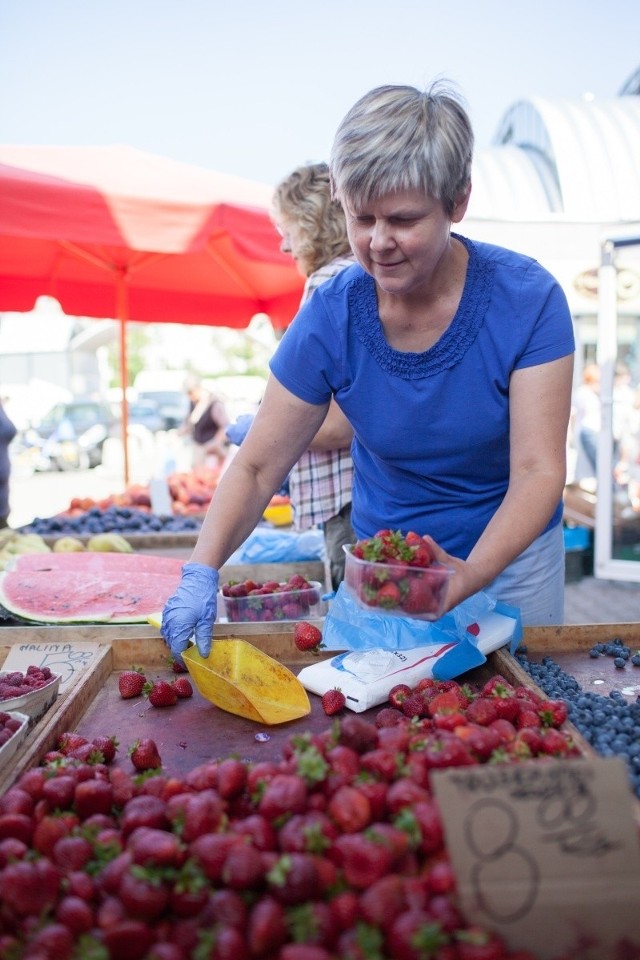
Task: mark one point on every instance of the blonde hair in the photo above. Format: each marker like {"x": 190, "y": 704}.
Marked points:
{"x": 304, "y": 196}
{"x": 397, "y": 137}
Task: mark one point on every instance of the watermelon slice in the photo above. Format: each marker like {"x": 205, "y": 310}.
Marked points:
{"x": 88, "y": 587}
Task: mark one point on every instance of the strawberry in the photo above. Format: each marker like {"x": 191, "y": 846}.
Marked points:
{"x": 176, "y": 665}
{"x": 398, "y": 694}
{"x": 293, "y": 878}
{"x": 482, "y": 710}
{"x": 53, "y": 940}
{"x": 160, "y": 693}
{"x": 475, "y": 943}
{"x": 388, "y": 596}
{"x": 144, "y": 754}
{"x": 414, "y": 706}
{"x": 333, "y": 701}
{"x": 75, "y": 913}
{"x": 384, "y": 900}
{"x": 131, "y": 683}
{"x": 71, "y": 853}
{"x": 28, "y": 888}
{"x": 127, "y": 938}
{"x": 553, "y": 713}
{"x": 358, "y": 733}
{"x": 285, "y": 793}
{"x": 414, "y": 935}
{"x": 267, "y": 927}
{"x": 363, "y": 859}
{"x": 419, "y": 597}
{"x": 232, "y": 778}
{"x": 306, "y": 636}
{"x": 389, "y": 717}
{"x": 194, "y": 814}
{"x": 182, "y": 687}
{"x": 18, "y": 826}
{"x": 554, "y": 743}
{"x": 350, "y": 809}
{"x": 497, "y": 685}
{"x": 243, "y": 866}
{"x": 107, "y": 747}
{"x": 68, "y": 742}
{"x": 93, "y": 796}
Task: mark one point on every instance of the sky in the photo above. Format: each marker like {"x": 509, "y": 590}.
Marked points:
{"x": 257, "y": 87}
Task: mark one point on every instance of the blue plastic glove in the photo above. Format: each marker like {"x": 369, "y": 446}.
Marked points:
{"x": 192, "y": 610}
{"x": 236, "y": 432}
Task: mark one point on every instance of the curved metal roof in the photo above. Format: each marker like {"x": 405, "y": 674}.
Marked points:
{"x": 574, "y": 158}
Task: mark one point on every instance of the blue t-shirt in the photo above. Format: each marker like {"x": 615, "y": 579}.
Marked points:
{"x": 431, "y": 444}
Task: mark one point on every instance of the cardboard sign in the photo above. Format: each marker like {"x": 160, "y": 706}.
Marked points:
{"x": 65, "y": 659}
{"x": 546, "y": 854}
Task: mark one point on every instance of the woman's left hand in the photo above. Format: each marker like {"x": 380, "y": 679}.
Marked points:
{"x": 465, "y": 580}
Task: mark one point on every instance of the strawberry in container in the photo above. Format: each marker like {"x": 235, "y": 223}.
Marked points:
{"x": 252, "y": 601}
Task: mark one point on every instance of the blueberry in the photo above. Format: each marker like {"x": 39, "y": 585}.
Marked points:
{"x": 619, "y": 662}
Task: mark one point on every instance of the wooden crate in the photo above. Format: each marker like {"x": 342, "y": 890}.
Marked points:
{"x": 194, "y": 730}
{"x": 160, "y": 544}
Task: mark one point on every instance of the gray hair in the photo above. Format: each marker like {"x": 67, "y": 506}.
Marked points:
{"x": 397, "y": 137}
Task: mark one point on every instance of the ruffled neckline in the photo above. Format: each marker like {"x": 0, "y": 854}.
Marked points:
{"x": 454, "y": 342}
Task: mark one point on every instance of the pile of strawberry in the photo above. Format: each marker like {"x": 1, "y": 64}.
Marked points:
{"x": 254, "y": 601}
{"x": 15, "y": 683}
{"x": 9, "y": 724}
{"x": 335, "y": 851}
{"x": 397, "y": 573}
{"x": 160, "y": 693}
{"x": 481, "y": 724}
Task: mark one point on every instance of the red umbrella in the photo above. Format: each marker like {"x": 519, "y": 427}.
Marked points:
{"x": 114, "y": 232}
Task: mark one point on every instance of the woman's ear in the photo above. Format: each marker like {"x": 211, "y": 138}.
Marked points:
{"x": 461, "y": 205}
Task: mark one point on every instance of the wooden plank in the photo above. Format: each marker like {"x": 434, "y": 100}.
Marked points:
{"x": 145, "y": 541}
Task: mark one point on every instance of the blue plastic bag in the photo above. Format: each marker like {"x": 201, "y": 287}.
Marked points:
{"x": 266, "y": 545}
{"x": 348, "y": 626}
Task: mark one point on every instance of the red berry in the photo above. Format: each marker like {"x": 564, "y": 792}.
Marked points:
{"x": 306, "y": 636}
{"x": 333, "y": 701}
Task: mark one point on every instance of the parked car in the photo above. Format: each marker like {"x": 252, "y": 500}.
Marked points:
{"x": 140, "y": 413}
{"x": 173, "y": 405}
{"x": 71, "y": 436}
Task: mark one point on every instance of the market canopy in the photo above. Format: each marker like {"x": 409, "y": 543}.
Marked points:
{"x": 115, "y": 232}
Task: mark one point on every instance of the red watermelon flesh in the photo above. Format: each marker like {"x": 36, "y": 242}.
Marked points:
{"x": 88, "y": 587}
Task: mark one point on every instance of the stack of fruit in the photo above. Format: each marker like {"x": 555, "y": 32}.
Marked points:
{"x": 397, "y": 575}
{"x": 335, "y": 850}
{"x": 255, "y": 601}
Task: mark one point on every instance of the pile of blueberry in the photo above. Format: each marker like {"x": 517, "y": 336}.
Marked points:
{"x": 119, "y": 519}
{"x": 611, "y": 725}
{"x": 617, "y": 649}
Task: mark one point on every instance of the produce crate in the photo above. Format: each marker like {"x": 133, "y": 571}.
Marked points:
{"x": 159, "y": 544}
{"x": 194, "y": 730}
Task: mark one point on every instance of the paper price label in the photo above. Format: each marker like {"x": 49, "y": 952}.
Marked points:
{"x": 546, "y": 853}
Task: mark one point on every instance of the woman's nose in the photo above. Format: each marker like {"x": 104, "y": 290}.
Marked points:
{"x": 285, "y": 244}
{"x": 381, "y": 236}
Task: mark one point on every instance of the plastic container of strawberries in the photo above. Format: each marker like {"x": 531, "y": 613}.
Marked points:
{"x": 397, "y": 590}
{"x": 300, "y": 604}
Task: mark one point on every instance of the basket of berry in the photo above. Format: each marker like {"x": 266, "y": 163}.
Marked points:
{"x": 31, "y": 692}
{"x": 14, "y": 727}
{"x": 258, "y": 602}
{"x": 396, "y": 574}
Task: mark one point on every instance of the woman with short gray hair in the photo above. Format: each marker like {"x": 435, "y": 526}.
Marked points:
{"x": 452, "y": 360}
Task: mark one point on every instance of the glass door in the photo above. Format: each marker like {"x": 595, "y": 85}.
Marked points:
{"x": 617, "y": 529}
